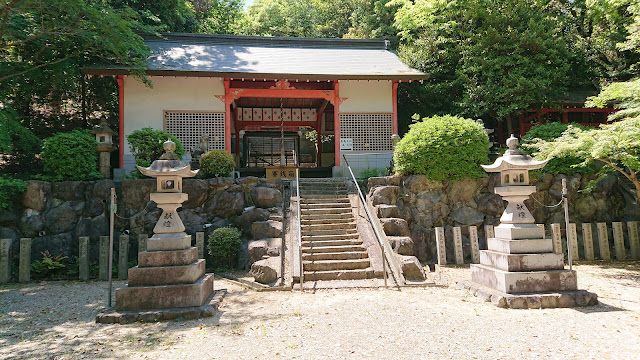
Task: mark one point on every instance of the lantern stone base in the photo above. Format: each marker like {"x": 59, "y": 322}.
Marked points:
{"x": 520, "y": 262}
{"x": 175, "y": 241}
{"x": 512, "y": 282}
{"x": 166, "y": 280}
{"x": 523, "y": 246}
{"x": 541, "y": 300}
{"x": 519, "y": 231}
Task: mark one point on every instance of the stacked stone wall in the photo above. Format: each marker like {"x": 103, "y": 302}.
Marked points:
{"x": 426, "y": 204}
{"x": 55, "y": 215}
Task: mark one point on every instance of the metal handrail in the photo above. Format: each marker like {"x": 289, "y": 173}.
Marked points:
{"x": 299, "y": 227}
{"x": 371, "y": 221}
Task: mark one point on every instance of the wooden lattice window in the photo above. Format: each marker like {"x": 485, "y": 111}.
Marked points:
{"x": 190, "y": 126}
{"x": 370, "y": 132}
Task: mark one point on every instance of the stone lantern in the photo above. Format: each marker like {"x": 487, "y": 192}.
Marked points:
{"x": 104, "y": 137}
{"x": 169, "y": 274}
{"x": 520, "y": 268}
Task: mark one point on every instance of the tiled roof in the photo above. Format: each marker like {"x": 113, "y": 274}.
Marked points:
{"x": 270, "y": 57}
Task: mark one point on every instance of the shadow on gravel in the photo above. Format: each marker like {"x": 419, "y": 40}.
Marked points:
{"x": 600, "y": 308}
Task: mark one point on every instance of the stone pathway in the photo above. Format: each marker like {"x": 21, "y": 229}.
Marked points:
{"x": 56, "y": 320}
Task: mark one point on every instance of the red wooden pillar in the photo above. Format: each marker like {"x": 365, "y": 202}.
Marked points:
{"x": 394, "y": 118}
{"x": 336, "y": 120}
{"x": 121, "y": 120}
{"x": 565, "y": 117}
{"x": 227, "y": 115}
{"x": 237, "y": 128}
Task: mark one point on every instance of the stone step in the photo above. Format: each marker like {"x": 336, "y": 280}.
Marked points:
{"x": 346, "y": 216}
{"x": 327, "y": 265}
{"x": 339, "y": 274}
{"x": 331, "y": 205}
{"x": 329, "y": 232}
{"x": 332, "y": 249}
{"x": 323, "y": 220}
{"x": 275, "y": 217}
{"x": 329, "y": 226}
{"x": 332, "y": 210}
{"x": 329, "y": 237}
{"x": 346, "y": 255}
{"x": 328, "y": 200}
{"x": 324, "y": 243}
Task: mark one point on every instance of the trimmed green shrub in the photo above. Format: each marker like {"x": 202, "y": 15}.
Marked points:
{"x": 568, "y": 164}
{"x": 146, "y": 145}
{"x": 443, "y": 148}
{"x": 217, "y": 163}
{"x": 70, "y": 156}
{"x": 224, "y": 243}
{"x": 10, "y": 190}
{"x": 370, "y": 172}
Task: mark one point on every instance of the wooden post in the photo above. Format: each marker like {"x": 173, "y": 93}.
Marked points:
{"x": 488, "y": 232}
{"x": 83, "y": 258}
{"x": 5, "y": 269}
{"x": 457, "y": 245}
{"x": 142, "y": 242}
{"x": 200, "y": 244}
{"x": 475, "y": 249}
{"x": 587, "y": 241}
{"x": 572, "y": 238}
{"x": 103, "y": 259}
{"x": 603, "y": 241}
{"x": 123, "y": 257}
{"x": 634, "y": 245}
{"x": 618, "y": 241}
{"x": 442, "y": 249}
{"x": 24, "y": 271}
{"x": 557, "y": 239}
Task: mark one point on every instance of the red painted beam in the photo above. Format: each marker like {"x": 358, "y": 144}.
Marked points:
{"x": 277, "y": 123}
{"x": 236, "y": 93}
{"x": 394, "y": 100}
{"x": 228, "y": 100}
{"x": 336, "y": 120}
{"x": 121, "y": 120}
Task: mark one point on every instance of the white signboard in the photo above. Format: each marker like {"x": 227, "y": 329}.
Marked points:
{"x": 346, "y": 144}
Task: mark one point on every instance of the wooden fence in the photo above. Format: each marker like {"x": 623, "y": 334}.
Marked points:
{"x": 625, "y": 243}
{"x": 24, "y": 267}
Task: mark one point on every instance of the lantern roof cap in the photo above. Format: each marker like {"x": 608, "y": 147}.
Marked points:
{"x": 103, "y": 127}
{"x": 168, "y": 164}
{"x": 514, "y": 159}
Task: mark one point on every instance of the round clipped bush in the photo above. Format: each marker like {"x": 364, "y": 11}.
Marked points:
{"x": 217, "y": 163}
{"x": 224, "y": 243}
{"x": 443, "y": 148}
{"x": 567, "y": 164}
{"x": 146, "y": 145}
{"x": 70, "y": 156}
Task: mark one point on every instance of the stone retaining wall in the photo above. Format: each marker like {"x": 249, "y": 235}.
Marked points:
{"x": 55, "y": 215}
{"x": 426, "y": 204}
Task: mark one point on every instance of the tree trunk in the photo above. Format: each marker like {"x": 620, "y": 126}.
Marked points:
{"x": 509, "y": 125}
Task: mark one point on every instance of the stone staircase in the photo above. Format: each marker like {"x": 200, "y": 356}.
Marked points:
{"x": 331, "y": 246}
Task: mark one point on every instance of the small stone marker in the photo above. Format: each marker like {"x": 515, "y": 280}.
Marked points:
{"x": 618, "y": 241}
{"x": 557, "y": 239}
{"x": 83, "y": 258}
{"x": 5, "y": 270}
{"x": 200, "y": 244}
{"x": 572, "y": 238}
{"x": 457, "y": 243}
{"x": 24, "y": 271}
{"x": 587, "y": 240}
{"x": 103, "y": 259}
{"x": 488, "y": 232}
{"x": 603, "y": 241}
{"x": 634, "y": 245}
{"x": 442, "y": 249}
{"x": 541, "y": 226}
{"x": 475, "y": 249}
{"x": 142, "y": 242}
{"x": 123, "y": 257}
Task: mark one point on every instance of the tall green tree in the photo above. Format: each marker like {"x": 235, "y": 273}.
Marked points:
{"x": 219, "y": 16}
{"x": 485, "y": 57}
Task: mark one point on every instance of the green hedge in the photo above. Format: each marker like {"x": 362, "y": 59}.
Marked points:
{"x": 223, "y": 245}
{"x": 443, "y": 148}
{"x": 568, "y": 164}
{"x": 217, "y": 163}
{"x": 70, "y": 156}
{"x": 10, "y": 191}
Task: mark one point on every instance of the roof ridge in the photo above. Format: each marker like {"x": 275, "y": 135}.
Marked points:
{"x": 269, "y": 41}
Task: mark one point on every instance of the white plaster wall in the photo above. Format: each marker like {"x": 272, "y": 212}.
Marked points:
{"x": 365, "y": 96}
{"x": 145, "y": 106}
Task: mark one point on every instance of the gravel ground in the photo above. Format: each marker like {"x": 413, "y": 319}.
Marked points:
{"x": 56, "y": 320}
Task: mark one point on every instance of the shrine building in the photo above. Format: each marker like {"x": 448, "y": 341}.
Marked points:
{"x": 254, "y": 96}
